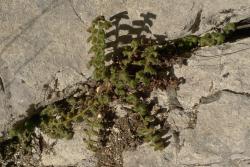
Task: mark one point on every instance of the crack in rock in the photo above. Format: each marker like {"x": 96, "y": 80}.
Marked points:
{"x": 211, "y": 98}
{"x": 2, "y": 85}
{"x": 237, "y": 93}
{"x": 217, "y": 95}
{"x": 198, "y": 164}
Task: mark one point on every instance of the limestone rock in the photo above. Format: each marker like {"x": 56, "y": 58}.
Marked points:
{"x": 209, "y": 70}
{"x": 220, "y": 138}
{"x": 40, "y": 39}
{"x": 144, "y": 156}
{"x": 166, "y": 98}
{"x": 180, "y": 119}
{"x": 221, "y": 133}
{"x": 68, "y": 152}
{"x": 43, "y": 43}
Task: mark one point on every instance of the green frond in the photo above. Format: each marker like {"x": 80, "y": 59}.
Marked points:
{"x": 132, "y": 99}
{"x": 229, "y": 28}
{"x": 141, "y": 108}
{"x": 149, "y": 69}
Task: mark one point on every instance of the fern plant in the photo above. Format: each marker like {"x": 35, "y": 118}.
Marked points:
{"x": 135, "y": 69}
{"x": 142, "y": 66}
{"x": 129, "y": 77}
{"x": 57, "y": 120}
{"x": 97, "y": 40}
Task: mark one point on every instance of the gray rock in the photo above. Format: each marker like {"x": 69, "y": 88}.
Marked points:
{"x": 180, "y": 119}
{"x": 217, "y": 88}
{"x": 43, "y": 40}
{"x": 144, "y": 156}
{"x": 40, "y": 43}
{"x": 209, "y": 70}
{"x": 43, "y": 43}
{"x": 165, "y": 98}
{"x": 220, "y": 138}
{"x": 68, "y": 152}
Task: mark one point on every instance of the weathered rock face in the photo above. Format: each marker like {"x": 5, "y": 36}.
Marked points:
{"x": 213, "y": 69}
{"x": 71, "y": 152}
{"x": 42, "y": 43}
{"x": 43, "y": 49}
{"x": 220, "y": 138}
{"x": 217, "y": 90}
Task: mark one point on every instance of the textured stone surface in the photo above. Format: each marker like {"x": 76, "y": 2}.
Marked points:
{"x": 69, "y": 152}
{"x": 144, "y": 156}
{"x": 43, "y": 39}
{"x": 217, "y": 89}
{"x": 179, "y": 119}
{"x": 42, "y": 42}
{"x": 221, "y": 138}
{"x": 209, "y": 70}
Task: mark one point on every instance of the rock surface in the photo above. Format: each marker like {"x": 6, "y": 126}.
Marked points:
{"x": 220, "y": 139}
{"x": 71, "y": 152}
{"x": 213, "y": 69}
{"x": 43, "y": 49}
{"x": 217, "y": 89}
